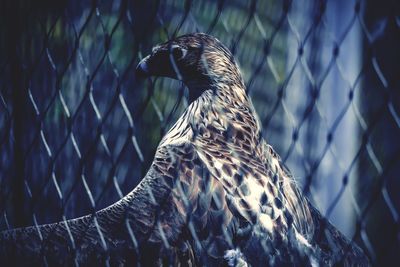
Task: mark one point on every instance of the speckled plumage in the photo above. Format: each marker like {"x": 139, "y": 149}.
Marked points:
{"x": 216, "y": 193}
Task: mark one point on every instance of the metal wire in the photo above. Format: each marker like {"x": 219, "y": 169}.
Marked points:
{"x": 78, "y": 130}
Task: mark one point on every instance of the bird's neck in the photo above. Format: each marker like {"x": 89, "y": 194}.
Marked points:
{"x": 218, "y": 104}
{"x": 227, "y": 103}
{"x": 224, "y": 93}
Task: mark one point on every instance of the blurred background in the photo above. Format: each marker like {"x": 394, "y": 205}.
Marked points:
{"x": 78, "y": 131}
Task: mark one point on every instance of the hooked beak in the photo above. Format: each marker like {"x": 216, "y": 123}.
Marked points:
{"x": 142, "y": 69}
{"x": 156, "y": 65}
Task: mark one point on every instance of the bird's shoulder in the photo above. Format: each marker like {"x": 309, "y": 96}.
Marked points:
{"x": 178, "y": 163}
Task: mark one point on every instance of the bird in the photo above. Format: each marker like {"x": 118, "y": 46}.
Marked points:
{"x": 216, "y": 193}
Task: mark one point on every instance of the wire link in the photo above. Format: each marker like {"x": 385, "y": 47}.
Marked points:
{"x": 89, "y": 128}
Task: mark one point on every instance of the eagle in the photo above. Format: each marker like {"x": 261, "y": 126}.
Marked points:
{"x": 216, "y": 193}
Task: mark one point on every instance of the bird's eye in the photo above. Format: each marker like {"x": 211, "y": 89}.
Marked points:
{"x": 178, "y": 52}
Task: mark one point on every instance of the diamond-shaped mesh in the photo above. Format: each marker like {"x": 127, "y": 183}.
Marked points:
{"x": 78, "y": 130}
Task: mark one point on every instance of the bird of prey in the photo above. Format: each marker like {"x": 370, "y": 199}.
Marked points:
{"x": 216, "y": 193}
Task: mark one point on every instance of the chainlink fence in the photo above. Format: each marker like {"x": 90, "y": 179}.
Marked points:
{"x": 78, "y": 131}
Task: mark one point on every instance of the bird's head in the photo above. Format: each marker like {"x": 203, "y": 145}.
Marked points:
{"x": 199, "y": 60}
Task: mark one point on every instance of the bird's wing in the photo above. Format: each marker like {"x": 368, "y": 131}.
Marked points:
{"x": 149, "y": 217}
{"x": 227, "y": 144}
{"x": 330, "y": 245}
{"x": 265, "y": 209}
